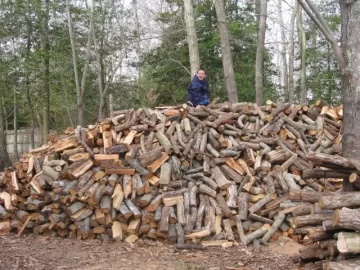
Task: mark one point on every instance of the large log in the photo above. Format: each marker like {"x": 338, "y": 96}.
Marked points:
{"x": 349, "y": 242}
{"x": 321, "y": 173}
{"x": 350, "y": 199}
{"x": 302, "y": 221}
{"x": 344, "y": 265}
{"x": 346, "y": 218}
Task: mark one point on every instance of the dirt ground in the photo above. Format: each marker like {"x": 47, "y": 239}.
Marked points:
{"x": 39, "y": 252}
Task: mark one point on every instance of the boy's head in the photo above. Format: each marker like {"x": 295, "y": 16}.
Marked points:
{"x": 201, "y": 75}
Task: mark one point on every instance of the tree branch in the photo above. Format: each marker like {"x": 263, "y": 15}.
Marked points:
{"x": 324, "y": 28}
{"x": 176, "y": 61}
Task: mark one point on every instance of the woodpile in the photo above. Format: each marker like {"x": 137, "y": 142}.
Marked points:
{"x": 207, "y": 176}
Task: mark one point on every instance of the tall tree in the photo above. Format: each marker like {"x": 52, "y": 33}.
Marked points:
{"x": 16, "y": 151}
{"x": 292, "y": 54}
{"x": 4, "y": 156}
{"x": 348, "y": 59}
{"x": 302, "y": 46}
{"x": 43, "y": 10}
{"x": 226, "y": 52}
{"x": 137, "y": 35}
{"x": 79, "y": 92}
{"x": 283, "y": 52}
{"x": 259, "y": 66}
{"x": 29, "y": 32}
{"x": 80, "y": 88}
{"x": 191, "y": 37}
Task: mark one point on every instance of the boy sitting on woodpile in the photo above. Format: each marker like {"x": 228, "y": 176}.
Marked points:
{"x": 198, "y": 90}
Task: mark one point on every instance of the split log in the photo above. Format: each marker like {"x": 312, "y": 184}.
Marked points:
{"x": 80, "y": 170}
{"x": 150, "y": 156}
{"x": 232, "y": 196}
{"x": 173, "y": 200}
{"x": 349, "y": 242}
{"x": 220, "y": 178}
{"x": 165, "y": 174}
{"x": 243, "y": 205}
{"x": 154, "y": 204}
{"x": 153, "y": 167}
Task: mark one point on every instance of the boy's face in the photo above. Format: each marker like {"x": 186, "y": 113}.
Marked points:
{"x": 201, "y": 75}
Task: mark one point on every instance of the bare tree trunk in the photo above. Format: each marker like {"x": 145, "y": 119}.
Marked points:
{"x": 302, "y": 45}
{"x": 6, "y": 127}
{"x": 191, "y": 37}
{"x": 259, "y": 65}
{"x": 79, "y": 94}
{"x": 27, "y": 83}
{"x": 137, "y": 36}
{"x": 257, "y": 10}
{"x": 66, "y": 100}
{"x": 226, "y": 52}
{"x": 329, "y": 76}
{"x": 40, "y": 124}
{"x": 350, "y": 42}
{"x": 4, "y": 156}
{"x": 111, "y": 105}
{"x": 292, "y": 55}
{"x": 45, "y": 47}
{"x": 16, "y": 152}
{"x": 103, "y": 90}
{"x": 283, "y": 52}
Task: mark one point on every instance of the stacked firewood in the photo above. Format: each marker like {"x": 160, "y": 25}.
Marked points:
{"x": 328, "y": 222}
{"x": 211, "y": 175}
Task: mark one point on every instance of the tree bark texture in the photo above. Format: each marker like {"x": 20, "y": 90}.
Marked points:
{"x": 292, "y": 54}
{"x": 4, "y": 156}
{"x": 302, "y": 45}
{"x": 226, "y": 52}
{"x": 283, "y": 53}
{"x": 350, "y": 42}
{"x": 259, "y": 65}
{"x": 191, "y": 37}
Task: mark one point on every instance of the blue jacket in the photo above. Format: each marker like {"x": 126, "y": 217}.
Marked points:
{"x": 198, "y": 91}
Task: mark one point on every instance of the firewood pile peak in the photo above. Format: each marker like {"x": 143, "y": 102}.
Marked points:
{"x": 214, "y": 175}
